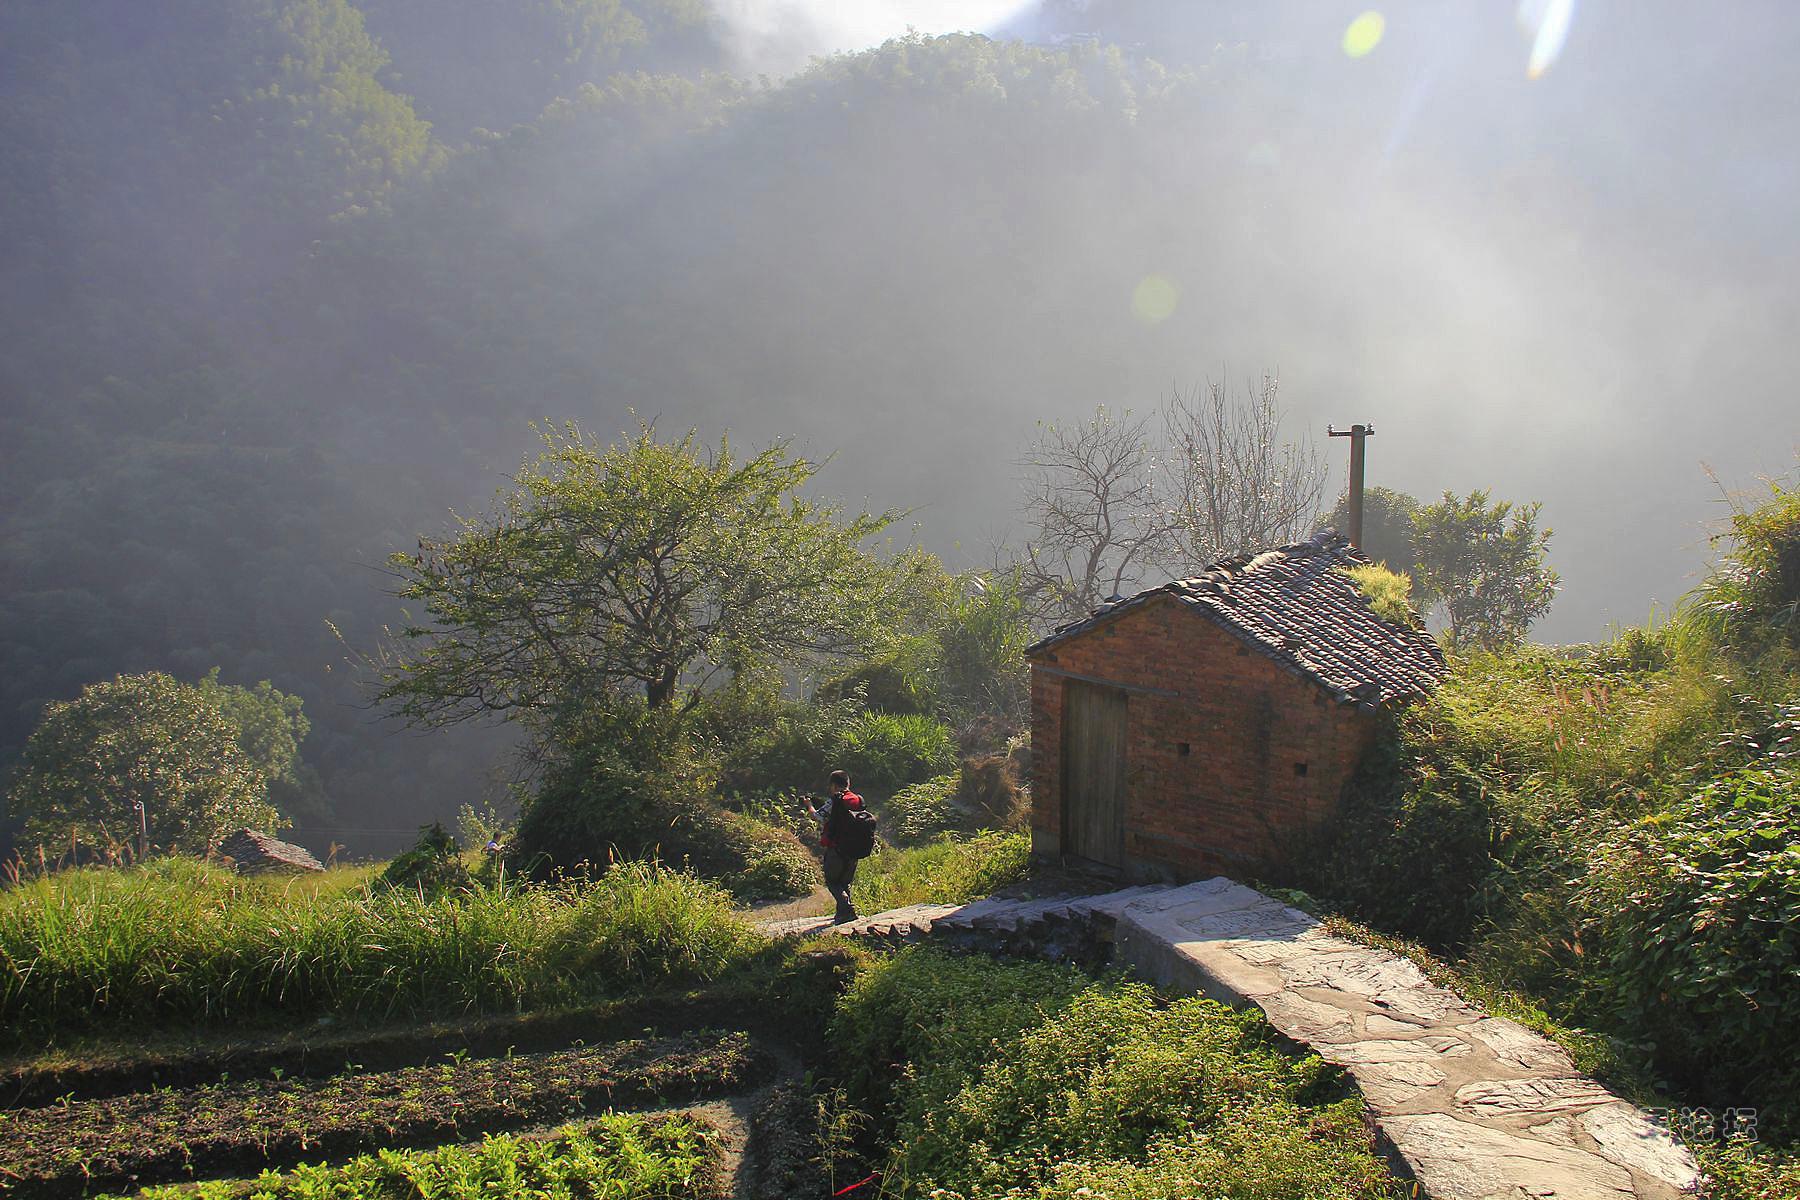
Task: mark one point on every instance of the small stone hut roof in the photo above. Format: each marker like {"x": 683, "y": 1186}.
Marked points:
{"x": 1290, "y": 604}
{"x": 253, "y": 851}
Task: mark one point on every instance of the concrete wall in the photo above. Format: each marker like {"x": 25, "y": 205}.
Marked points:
{"x": 1268, "y": 751}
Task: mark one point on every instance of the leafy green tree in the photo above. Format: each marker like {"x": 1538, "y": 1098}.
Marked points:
{"x": 271, "y": 727}
{"x": 1387, "y": 526}
{"x": 644, "y": 568}
{"x": 1484, "y": 561}
{"x": 140, "y": 739}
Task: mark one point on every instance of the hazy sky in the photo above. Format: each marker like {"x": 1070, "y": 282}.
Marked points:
{"x": 1552, "y": 256}
{"x": 777, "y": 37}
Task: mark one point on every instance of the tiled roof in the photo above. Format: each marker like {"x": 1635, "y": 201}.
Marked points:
{"x": 253, "y": 851}
{"x": 1289, "y": 604}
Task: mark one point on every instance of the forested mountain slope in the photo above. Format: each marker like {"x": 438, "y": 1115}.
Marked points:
{"x": 287, "y": 279}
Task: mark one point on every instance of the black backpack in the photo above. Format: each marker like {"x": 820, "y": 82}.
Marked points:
{"x": 852, "y": 830}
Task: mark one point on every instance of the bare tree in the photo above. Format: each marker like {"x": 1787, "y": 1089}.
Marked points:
{"x": 1091, "y": 505}
{"x": 1229, "y": 483}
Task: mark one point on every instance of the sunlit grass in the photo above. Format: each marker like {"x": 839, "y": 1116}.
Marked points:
{"x": 177, "y": 941}
{"x": 947, "y": 871}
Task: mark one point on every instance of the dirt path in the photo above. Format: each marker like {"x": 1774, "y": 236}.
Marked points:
{"x": 735, "y": 1118}
{"x": 815, "y": 905}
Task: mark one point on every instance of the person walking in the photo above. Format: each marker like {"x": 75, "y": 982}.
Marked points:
{"x": 845, "y": 839}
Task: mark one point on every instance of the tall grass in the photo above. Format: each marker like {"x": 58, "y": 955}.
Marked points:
{"x": 945, "y": 872}
{"x": 177, "y": 941}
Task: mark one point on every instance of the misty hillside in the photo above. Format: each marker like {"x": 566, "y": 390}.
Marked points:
{"x": 287, "y": 280}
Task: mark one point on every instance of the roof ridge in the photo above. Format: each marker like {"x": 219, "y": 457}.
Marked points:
{"x": 1286, "y": 603}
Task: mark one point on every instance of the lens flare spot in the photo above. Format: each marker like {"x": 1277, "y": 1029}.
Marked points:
{"x": 1154, "y": 299}
{"x": 1547, "y": 21}
{"x": 1364, "y": 34}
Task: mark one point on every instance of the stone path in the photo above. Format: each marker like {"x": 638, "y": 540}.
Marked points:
{"x": 1475, "y": 1107}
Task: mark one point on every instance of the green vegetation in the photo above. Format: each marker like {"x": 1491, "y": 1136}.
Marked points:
{"x": 979, "y": 1077}
{"x": 1387, "y": 526}
{"x": 167, "y": 1133}
{"x": 628, "y": 782}
{"x": 1484, "y": 562}
{"x": 637, "y": 569}
{"x": 177, "y": 942}
{"x": 1389, "y": 592}
{"x": 616, "y": 1157}
{"x": 1612, "y": 832}
{"x": 922, "y": 811}
{"x": 197, "y": 761}
{"x": 947, "y": 871}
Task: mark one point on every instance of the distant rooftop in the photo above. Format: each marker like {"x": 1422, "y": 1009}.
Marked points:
{"x": 1289, "y": 604}
{"x": 250, "y": 850}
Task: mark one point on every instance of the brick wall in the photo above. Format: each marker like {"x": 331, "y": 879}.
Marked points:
{"x": 1268, "y": 751}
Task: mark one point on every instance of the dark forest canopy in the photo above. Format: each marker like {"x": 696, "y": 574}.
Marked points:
{"x": 285, "y": 280}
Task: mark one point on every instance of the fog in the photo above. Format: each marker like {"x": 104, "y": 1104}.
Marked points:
{"x": 780, "y": 37}
{"x": 1572, "y": 288}
{"x": 259, "y": 337}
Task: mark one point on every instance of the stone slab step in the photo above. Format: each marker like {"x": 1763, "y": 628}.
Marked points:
{"x": 968, "y": 914}
{"x": 916, "y": 920}
{"x": 1478, "y": 1108}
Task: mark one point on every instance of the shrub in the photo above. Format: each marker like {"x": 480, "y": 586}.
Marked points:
{"x": 900, "y": 681}
{"x": 1695, "y": 916}
{"x": 922, "y": 811}
{"x": 796, "y": 749}
{"x": 1036, "y": 1078}
{"x": 777, "y": 864}
{"x": 988, "y": 786}
{"x": 882, "y": 751}
{"x": 597, "y": 805}
{"x": 945, "y": 872}
{"x": 886, "y": 751}
{"x": 1755, "y": 589}
{"x": 433, "y": 865}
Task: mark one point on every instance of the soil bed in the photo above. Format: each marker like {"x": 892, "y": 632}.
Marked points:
{"x": 84, "y": 1146}
{"x": 782, "y": 1004}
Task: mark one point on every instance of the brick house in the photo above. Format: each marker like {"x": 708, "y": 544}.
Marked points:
{"x": 1193, "y": 727}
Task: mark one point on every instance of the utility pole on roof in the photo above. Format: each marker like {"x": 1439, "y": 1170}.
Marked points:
{"x": 1356, "y": 434}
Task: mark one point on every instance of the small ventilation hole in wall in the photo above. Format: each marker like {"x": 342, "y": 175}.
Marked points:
{"x": 1182, "y": 749}
{"x": 1299, "y": 768}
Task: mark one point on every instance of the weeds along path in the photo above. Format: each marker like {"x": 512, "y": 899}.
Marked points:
{"x": 81, "y": 1146}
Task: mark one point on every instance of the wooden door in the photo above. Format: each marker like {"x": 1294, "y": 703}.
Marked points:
{"x": 1094, "y": 773}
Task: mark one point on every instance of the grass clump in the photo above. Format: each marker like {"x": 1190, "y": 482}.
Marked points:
{"x": 996, "y": 1077}
{"x": 946, "y": 871}
{"x": 1389, "y": 592}
{"x": 180, "y": 942}
{"x": 616, "y": 1157}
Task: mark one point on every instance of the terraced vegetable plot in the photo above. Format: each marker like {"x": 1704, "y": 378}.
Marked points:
{"x": 620, "y": 1156}
{"x": 83, "y": 1147}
